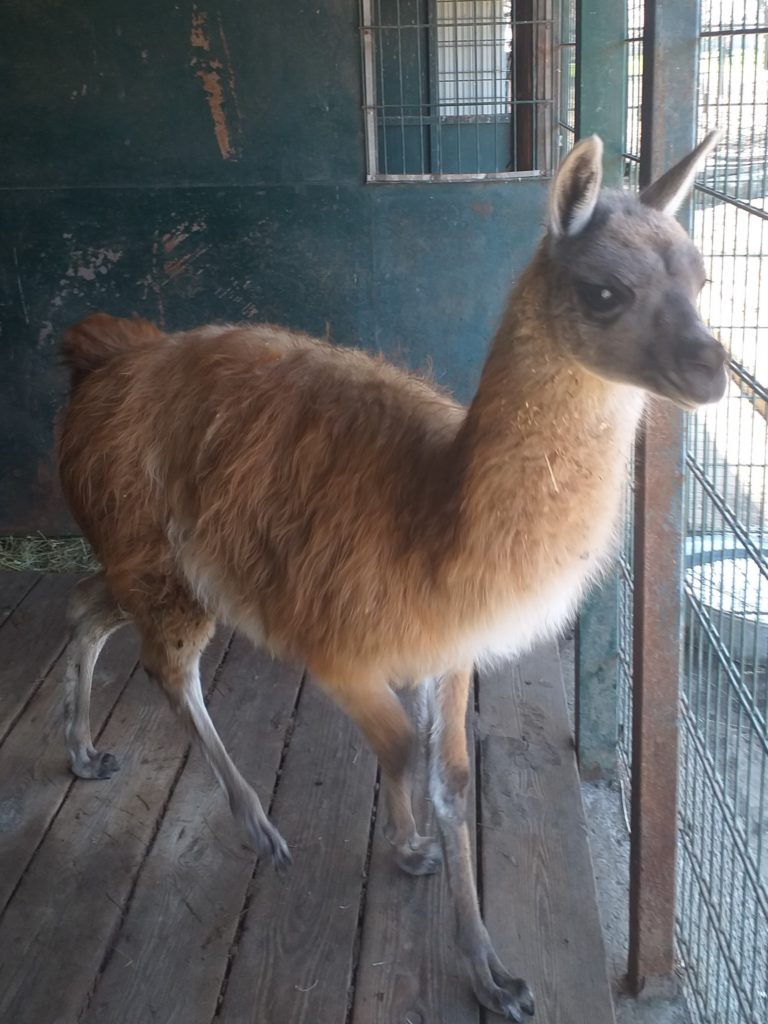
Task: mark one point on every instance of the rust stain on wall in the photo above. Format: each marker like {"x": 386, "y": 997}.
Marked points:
{"x": 229, "y": 67}
{"x": 175, "y": 254}
{"x": 174, "y": 238}
{"x": 197, "y": 36}
{"x": 174, "y": 267}
{"x": 483, "y": 209}
{"x": 215, "y": 97}
{"x": 214, "y": 69}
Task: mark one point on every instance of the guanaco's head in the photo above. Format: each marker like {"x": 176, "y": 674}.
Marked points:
{"x": 627, "y": 276}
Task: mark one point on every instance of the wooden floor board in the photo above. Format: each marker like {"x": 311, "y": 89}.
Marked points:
{"x": 86, "y": 866}
{"x": 294, "y": 962}
{"x": 34, "y": 773}
{"x": 31, "y": 640}
{"x": 409, "y": 967}
{"x": 135, "y": 900}
{"x": 172, "y": 950}
{"x": 534, "y": 846}
{"x": 14, "y": 587}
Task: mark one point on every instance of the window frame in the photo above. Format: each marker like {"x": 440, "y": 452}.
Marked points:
{"x": 549, "y": 139}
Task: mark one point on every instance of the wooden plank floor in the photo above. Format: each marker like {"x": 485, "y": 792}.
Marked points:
{"x": 135, "y": 900}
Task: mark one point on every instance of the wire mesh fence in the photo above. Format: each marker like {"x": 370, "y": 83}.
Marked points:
{"x": 722, "y": 909}
{"x": 722, "y": 918}
{"x": 467, "y": 88}
{"x": 626, "y": 569}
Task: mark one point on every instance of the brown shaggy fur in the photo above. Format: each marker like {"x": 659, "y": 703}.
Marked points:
{"x": 263, "y": 471}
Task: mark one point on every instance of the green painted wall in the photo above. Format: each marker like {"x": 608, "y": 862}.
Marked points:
{"x": 198, "y": 162}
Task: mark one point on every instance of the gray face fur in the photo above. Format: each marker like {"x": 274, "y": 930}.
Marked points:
{"x": 629, "y": 277}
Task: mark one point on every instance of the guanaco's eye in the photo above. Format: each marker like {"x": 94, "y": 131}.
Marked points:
{"x": 601, "y": 298}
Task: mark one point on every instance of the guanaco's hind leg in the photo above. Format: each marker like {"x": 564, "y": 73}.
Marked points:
{"x": 493, "y": 985}
{"x": 171, "y": 652}
{"x": 381, "y": 718}
{"x": 93, "y": 616}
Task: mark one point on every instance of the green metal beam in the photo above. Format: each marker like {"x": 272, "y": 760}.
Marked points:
{"x": 601, "y": 55}
{"x": 601, "y": 79}
{"x": 597, "y": 676}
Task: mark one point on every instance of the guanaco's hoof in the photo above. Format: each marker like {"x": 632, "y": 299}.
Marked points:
{"x": 422, "y": 857}
{"x": 95, "y": 765}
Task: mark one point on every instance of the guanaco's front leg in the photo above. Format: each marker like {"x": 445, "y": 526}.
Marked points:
{"x": 377, "y": 712}
{"x": 493, "y": 985}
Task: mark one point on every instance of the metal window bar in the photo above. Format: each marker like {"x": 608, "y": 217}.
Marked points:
{"x": 722, "y": 905}
{"x": 460, "y": 89}
{"x": 634, "y": 124}
{"x": 565, "y": 66}
{"x": 632, "y": 144}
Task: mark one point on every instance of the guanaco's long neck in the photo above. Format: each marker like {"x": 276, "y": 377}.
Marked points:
{"x": 543, "y": 448}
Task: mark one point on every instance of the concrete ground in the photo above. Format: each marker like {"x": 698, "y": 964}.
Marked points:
{"x": 609, "y": 842}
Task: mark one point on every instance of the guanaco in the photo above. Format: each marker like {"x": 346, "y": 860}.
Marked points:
{"x": 346, "y": 514}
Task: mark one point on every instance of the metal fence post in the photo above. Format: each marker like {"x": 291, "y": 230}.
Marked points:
{"x": 656, "y": 670}
{"x": 600, "y": 108}
{"x": 669, "y": 92}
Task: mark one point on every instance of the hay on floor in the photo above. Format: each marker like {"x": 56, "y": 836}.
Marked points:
{"x": 46, "y": 554}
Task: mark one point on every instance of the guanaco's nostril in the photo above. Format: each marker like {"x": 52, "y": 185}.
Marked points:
{"x": 708, "y": 355}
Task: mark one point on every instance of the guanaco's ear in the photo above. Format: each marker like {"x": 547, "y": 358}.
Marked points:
{"x": 669, "y": 191}
{"x": 576, "y": 187}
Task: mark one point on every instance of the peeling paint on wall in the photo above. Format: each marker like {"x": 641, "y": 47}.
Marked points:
{"x": 22, "y": 297}
{"x": 45, "y": 334}
{"x": 152, "y": 283}
{"x": 90, "y": 262}
{"x": 219, "y": 85}
{"x": 83, "y": 265}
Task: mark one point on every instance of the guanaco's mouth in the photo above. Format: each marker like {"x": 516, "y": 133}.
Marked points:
{"x": 695, "y": 386}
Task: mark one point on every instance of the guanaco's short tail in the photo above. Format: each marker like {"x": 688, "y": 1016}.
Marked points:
{"x": 98, "y": 338}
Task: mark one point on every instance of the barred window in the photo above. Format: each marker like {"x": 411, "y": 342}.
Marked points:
{"x": 459, "y": 88}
